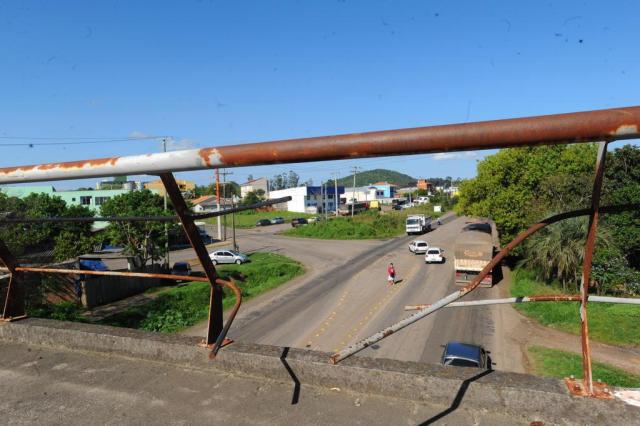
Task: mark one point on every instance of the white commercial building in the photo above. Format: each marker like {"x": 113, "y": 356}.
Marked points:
{"x": 308, "y": 199}
{"x": 363, "y": 193}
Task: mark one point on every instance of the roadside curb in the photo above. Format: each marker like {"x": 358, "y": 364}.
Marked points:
{"x": 532, "y": 398}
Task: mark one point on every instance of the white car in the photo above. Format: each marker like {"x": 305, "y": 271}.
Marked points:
{"x": 418, "y": 246}
{"x": 434, "y": 255}
{"x": 228, "y": 256}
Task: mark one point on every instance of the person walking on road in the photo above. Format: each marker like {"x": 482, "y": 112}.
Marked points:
{"x": 391, "y": 272}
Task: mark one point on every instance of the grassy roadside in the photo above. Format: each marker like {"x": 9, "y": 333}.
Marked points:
{"x": 366, "y": 225}
{"x": 609, "y": 323}
{"x": 248, "y": 219}
{"x": 184, "y": 306}
{"x": 554, "y": 363}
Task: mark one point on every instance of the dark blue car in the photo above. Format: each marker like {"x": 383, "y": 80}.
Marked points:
{"x": 465, "y": 355}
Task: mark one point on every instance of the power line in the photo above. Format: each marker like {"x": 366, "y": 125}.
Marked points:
{"x": 81, "y": 138}
{"x": 72, "y": 141}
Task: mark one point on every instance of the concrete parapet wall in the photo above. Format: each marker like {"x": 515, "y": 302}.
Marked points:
{"x": 533, "y": 398}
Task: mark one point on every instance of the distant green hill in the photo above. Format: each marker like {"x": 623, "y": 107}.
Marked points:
{"x": 377, "y": 175}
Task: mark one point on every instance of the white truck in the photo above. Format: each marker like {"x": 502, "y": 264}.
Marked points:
{"x": 418, "y": 224}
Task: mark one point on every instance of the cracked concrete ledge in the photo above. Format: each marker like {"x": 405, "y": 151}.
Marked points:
{"x": 500, "y": 392}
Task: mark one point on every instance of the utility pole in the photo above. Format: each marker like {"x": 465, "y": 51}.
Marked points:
{"x": 224, "y": 174}
{"x": 218, "y": 203}
{"x": 324, "y": 201}
{"x": 354, "y": 170}
{"x": 166, "y": 225}
{"x": 336, "y": 199}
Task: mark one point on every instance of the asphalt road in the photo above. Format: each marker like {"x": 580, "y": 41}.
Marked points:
{"x": 345, "y": 297}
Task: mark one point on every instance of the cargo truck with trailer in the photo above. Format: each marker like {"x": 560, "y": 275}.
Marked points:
{"x": 474, "y": 249}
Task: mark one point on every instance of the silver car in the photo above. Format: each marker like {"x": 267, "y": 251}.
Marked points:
{"x": 228, "y": 256}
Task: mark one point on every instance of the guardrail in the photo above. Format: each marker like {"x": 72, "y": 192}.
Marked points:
{"x": 602, "y": 126}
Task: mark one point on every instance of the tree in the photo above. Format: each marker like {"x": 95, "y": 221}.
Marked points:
{"x": 251, "y": 198}
{"x": 292, "y": 179}
{"x": 557, "y": 251}
{"x": 622, "y": 186}
{"x": 201, "y": 190}
{"x": 145, "y": 240}
{"x": 508, "y": 183}
{"x": 35, "y": 237}
{"x": 277, "y": 182}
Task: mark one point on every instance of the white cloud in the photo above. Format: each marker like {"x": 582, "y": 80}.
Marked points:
{"x": 467, "y": 155}
{"x": 173, "y": 144}
{"x": 138, "y": 134}
{"x": 178, "y": 144}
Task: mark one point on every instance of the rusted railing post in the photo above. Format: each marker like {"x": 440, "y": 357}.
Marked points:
{"x": 586, "y": 266}
{"x": 13, "y": 304}
{"x": 215, "y": 302}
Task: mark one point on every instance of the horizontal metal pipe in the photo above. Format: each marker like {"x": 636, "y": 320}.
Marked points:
{"x": 552, "y": 298}
{"x": 142, "y": 218}
{"x": 590, "y": 126}
{"x": 110, "y": 273}
{"x": 83, "y": 219}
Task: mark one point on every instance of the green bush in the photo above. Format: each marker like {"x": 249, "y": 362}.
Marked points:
{"x": 63, "y": 311}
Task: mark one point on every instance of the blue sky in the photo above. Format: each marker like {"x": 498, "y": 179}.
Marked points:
{"x": 211, "y": 73}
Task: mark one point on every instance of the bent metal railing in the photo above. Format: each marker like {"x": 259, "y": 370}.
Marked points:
{"x": 602, "y": 126}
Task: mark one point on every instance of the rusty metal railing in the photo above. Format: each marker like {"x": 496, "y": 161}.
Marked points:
{"x": 601, "y": 126}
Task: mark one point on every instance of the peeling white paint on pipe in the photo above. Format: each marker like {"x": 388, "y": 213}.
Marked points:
{"x": 175, "y": 161}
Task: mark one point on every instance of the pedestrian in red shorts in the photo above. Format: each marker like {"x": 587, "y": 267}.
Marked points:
{"x": 391, "y": 272}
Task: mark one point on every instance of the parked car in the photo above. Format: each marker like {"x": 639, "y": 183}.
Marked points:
{"x": 181, "y": 268}
{"x": 277, "y": 220}
{"x": 434, "y": 255}
{"x": 228, "y": 256}
{"x": 93, "y": 265}
{"x": 263, "y": 222}
{"x": 298, "y": 221}
{"x": 397, "y": 207}
{"x": 418, "y": 247}
{"x": 465, "y": 355}
{"x": 314, "y": 219}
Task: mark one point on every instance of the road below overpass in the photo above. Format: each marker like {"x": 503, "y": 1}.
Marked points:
{"x": 345, "y": 297}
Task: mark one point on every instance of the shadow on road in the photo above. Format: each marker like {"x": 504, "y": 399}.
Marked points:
{"x": 458, "y": 399}
{"x": 296, "y": 383}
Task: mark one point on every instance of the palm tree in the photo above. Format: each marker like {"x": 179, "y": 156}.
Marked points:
{"x": 557, "y": 251}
